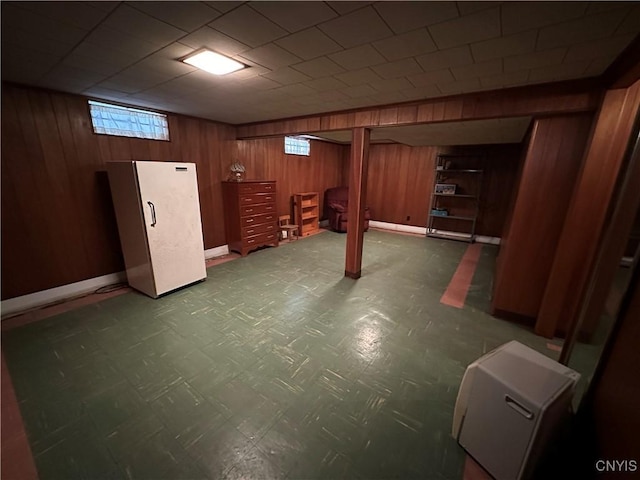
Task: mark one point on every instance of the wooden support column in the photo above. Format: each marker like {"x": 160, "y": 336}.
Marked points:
{"x": 588, "y": 213}
{"x": 358, "y": 168}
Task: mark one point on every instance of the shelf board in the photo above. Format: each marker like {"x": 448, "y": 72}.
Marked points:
{"x": 455, "y": 170}
{"x": 453, "y": 217}
{"x": 458, "y": 195}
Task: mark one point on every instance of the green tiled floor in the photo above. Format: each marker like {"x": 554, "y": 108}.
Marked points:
{"x": 275, "y": 367}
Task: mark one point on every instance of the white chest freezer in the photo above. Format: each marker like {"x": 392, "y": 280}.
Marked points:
{"x": 510, "y": 405}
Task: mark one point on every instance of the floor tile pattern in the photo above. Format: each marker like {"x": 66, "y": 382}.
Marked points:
{"x": 276, "y": 366}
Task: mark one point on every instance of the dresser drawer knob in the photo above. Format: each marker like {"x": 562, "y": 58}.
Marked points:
{"x": 249, "y": 210}
{"x": 250, "y": 220}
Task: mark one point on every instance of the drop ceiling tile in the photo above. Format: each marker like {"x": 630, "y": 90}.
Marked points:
{"x": 167, "y": 61}
{"x": 534, "y": 60}
{"x": 319, "y": 67}
{"x": 308, "y": 44}
{"x": 143, "y": 78}
{"x": 462, "y": 86}
{"x": 322, "y": 98}
{"x": 18, "y": 37}
{"x": 400, "y": 68}
{"x": 558, "y": 72}
{"x": 391, "y": 85}
{"x": 260, "y": 83}
{"x": 78, "y": 78}
{"x": 187, "y": 16}
{"x": 23, "y": 65}
{"x": 417, "y": 93}
{"x": 504, "y": 46}
{"x": 207, "y": 37}
{"x": 468, "y": 29}
{"x": 453, "y": 57}
{"x": 270, "y": 56}
{"x": 357, "y": 28}
{"x": 98, "y": 59}
{"x": 296, "y": 90}
{"x": 295, "y": 16}
{"x": 482, "y": 69}
{"x": 631, "y": 22}
{"x": 406, "y": 45}
{"x": 103, "y": 6}
{"x": 110, "y": 39}
{"x": 466, "y": 8}
{"x": 128, "y": 20}
{"x": 106, "y": 94}
{"x": 610, "y": 48}
{"x": 286, "y": 76}
{"x": 38, "y": 25}
{"x": 247, "y": 26}
{"x": 582, "y": 30}
{"x": 429, "y": 78}
{"x": 346, "y": 7}
{"x": 521, "y": 16}
{"x": 358, "y": 77}
{"x": 597, "y": 66}
{"x": 326, "y": 83}
{"x": 84, "y": 15}
{"x": 503, "y": 80}
{"x": 597, "y": 7}
{"x": 224, "y": 6}
{"x": 405, "y": 16}
{"x": 357, "y": 57}
{"x": 385, "y": 98}
{"x": 359, "y": 91}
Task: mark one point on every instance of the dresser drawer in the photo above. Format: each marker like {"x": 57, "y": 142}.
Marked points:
{"x": 260, "y": 239}
{"x": 258, "y": 220}
{"x": 255, "y": 230}
{"x": 257, "y": 198}
{"x": 256, "y": 209}
{"x": 261, "y": 187}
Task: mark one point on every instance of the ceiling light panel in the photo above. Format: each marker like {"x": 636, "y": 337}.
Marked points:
{"x": 213, "y": 62}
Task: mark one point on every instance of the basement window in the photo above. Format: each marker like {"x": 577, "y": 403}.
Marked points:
{"x": 110, "y": 119}
{"x": 297, "y": 146}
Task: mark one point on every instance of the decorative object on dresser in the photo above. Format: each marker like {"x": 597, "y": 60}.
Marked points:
{"x": 250, "y": 215}
{"x": 307, "y": 213}
{"x": 237, "y": 172}
{"x": 455, "y": 197}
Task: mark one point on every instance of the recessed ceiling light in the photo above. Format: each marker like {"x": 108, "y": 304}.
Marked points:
{"x": 213, "y": 62}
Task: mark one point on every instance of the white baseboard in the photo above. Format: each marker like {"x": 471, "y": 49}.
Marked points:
{"x": 324, "y": 223}
{"x": 626, "y": 261}
{"x": 52, "y": 295}
{"x": 397, "y": 227}
{"x": 423, "y": 231}
{"x": 216, "y": 252}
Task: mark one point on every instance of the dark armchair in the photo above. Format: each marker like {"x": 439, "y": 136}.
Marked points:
{"x": 336, "y": 207}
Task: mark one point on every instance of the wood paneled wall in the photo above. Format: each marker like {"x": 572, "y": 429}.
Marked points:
{"x": 582, "y": 232}
{"x": 401, "y": 179}
{"x": 58, "y": 225}
{"x": 558, "y": 98}
{"x": 552, "y": 163}
{"x": 265, "y": 159}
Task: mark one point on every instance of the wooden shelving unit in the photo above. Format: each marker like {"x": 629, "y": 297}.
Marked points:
{"x": 453, "y": 215}
{"x": 307, "y": 212}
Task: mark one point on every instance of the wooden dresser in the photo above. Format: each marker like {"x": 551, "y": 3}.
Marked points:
{"x": 250, "y": 215}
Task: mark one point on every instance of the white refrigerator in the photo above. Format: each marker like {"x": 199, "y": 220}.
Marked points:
{"x": 158, "y": 213}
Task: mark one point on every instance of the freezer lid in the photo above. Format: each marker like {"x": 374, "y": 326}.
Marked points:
{"x": 535, "y": 377}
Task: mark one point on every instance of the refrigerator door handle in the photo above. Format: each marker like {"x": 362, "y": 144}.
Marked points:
{"x": 518, "y": 407}
{"x": 153, "y": 214}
